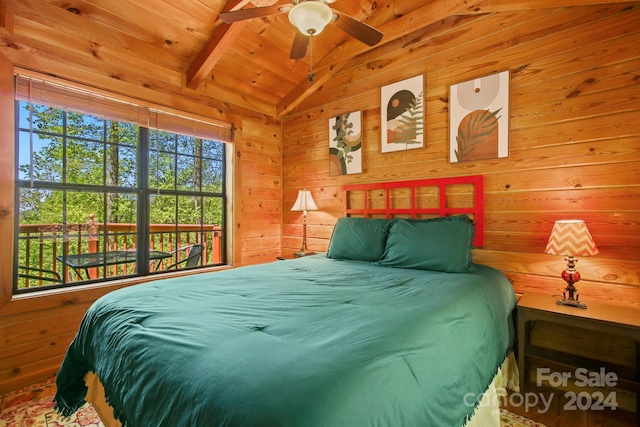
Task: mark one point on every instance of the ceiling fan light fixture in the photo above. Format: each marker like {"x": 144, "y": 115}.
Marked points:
{"x": 310, "y": 17}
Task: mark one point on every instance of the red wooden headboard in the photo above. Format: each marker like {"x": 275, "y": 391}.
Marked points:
{"x": 420, "y": 198}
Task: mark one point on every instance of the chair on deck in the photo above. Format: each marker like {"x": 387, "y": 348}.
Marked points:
{"x": 194, "y": 253}
{"x": 35, "y": 273}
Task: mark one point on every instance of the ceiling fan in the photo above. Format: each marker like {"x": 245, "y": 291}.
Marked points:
{"x": 309, "y": 17}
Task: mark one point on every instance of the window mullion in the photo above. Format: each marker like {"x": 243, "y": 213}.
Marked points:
{"x": 143, "y": 226}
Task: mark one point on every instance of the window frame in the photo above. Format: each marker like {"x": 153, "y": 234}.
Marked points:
{"x": 142, "y": 190}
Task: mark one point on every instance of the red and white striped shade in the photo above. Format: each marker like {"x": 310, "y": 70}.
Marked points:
{"x": 572, "y": 238}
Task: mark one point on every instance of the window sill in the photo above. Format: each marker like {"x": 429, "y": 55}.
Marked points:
{"x": 87, "y": 294}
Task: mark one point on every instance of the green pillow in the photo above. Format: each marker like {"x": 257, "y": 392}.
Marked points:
{"x": 438, "y": 244}
{"x": 361, "y": 239}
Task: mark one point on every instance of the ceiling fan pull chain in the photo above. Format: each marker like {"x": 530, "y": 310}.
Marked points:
{"x": 311, "y": 59}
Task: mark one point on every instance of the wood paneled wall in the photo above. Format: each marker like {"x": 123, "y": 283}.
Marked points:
{"x": 258, "y": 193}
{"x": 574, "y": 138}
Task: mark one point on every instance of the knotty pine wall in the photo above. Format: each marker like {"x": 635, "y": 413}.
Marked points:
{"x": 574, "y": 138}
{"x": 258, "y": 192}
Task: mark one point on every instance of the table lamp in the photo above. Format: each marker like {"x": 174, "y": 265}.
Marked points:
{"x": 571, "y": 238}
{"x": 304, "y": 203}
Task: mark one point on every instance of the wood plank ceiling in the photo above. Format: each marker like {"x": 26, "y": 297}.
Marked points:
{"x": 183, "y": 43}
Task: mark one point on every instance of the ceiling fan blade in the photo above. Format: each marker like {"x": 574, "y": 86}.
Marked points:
{"x": 358, "y": 30}
{"x": 254, "y": 12}
{"x": 300, "y": 45}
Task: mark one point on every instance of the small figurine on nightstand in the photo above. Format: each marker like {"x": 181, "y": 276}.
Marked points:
{"x": 571, "y": 238}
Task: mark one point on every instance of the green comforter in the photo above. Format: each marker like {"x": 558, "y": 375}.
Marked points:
{"x": 306, "y": 342}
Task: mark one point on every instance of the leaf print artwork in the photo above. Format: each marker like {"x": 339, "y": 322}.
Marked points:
{"x": 345, "y": 144}
{"x": 402, "y": 110}
{"x": 478, "y": 136}
{"x": 405, "y": 126}
{"x": 479, "y": 118}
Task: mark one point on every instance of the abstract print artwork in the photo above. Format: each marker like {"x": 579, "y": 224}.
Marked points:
{"x": 402, "y": 115}
{"x": 345, "y": 144}
{"x": 479, "y": 118}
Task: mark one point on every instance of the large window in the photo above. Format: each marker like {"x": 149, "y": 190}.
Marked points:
{"x": 103, "y": 194}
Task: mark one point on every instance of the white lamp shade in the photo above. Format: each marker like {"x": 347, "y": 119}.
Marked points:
{"x": 570, "y": 237}
{"x": 310, "y": 17}
{"x": 304, "y": 202}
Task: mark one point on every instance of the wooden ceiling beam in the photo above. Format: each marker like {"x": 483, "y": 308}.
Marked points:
{"x": 490, "y": 6}
{"x": 6, "y": 19}
{"x": 222, "y": 37}
{"x": 208, "y": 57}
{"x": 426, "y": 15}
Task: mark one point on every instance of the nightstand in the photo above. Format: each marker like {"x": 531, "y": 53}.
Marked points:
{"x": 600, "y": 318}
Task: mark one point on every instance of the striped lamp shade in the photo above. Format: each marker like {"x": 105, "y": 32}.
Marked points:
{"x": 572, "y": 238}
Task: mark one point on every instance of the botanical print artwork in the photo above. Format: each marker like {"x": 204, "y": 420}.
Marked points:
{"x": 479, "y": 120}
{"x": 345, "y": 144}
{"x": 402, "y": 115}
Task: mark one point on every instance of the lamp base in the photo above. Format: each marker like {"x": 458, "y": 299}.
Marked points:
{"x": 303, "y": 253}
{"x": 570, "y": 295}
{"x": 571, "y": 303}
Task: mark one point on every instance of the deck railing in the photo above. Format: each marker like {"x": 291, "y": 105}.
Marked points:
{"x": 40, "y": 245}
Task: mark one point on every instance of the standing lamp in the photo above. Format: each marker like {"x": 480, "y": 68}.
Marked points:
{"x": 571, "y": 238}
{"x": 304, "y": 203}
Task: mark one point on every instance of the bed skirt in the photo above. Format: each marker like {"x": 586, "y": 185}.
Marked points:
{"x": 487, "y": 412}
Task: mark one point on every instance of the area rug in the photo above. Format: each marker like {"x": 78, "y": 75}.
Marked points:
{"x": 33, "y": 407}
{"x": 509, "y": 419}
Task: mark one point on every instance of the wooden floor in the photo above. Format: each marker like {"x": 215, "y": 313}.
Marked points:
{"x": 557, "y": 416}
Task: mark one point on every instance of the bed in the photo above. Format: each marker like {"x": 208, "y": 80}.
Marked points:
{"x": 366, "y": 334}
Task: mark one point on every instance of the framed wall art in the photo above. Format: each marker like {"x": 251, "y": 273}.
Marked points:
{"x": 479, "y": 118}
{"x": 345, "y": 144}
{"x": 402, "y": 115}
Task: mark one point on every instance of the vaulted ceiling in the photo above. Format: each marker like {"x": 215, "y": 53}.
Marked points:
{"x": 164, "y": 44}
